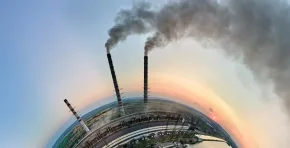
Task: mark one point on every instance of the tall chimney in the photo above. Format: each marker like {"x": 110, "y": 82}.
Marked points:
{"x": 114, "y": 79}
{"x": 145, "y": 78}
{"x": 77, "y": 116}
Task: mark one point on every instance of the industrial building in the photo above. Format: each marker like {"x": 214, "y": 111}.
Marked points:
{"x": 141, "y": 122}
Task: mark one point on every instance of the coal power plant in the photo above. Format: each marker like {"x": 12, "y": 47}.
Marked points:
{"x": 150, "y": 124}
{"x": 142, "y": 122}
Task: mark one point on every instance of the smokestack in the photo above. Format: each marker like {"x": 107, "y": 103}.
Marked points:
{"x": 114, "y": 79}
{"x": 145, "y": 78}
{"x": 77, "y": 116}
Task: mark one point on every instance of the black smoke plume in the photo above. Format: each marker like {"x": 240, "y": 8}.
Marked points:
{"x": 256, "y": 30}
{"x": 129, "y": 22}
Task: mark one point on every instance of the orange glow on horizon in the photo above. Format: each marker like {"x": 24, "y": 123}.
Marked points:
{"x": 195, "y": 95}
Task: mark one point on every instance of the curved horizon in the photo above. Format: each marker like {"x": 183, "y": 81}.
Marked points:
{"x": 103, "y": 107}
{"x": 52, "y": 50}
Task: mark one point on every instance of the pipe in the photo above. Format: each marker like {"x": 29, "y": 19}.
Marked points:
{"x": 77, "y": 116}
{"x": 145, "y": 79}
{"x": 114, "y": 80}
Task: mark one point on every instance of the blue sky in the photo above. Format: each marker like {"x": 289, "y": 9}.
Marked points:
{"x": 52, "y": 50}
{"x": 40, "y": 42}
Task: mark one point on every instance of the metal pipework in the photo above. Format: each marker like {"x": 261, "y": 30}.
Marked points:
{"x": 114, "y": 80}
{"x": 145, "y": 79}
{"x": 77, "y": 116}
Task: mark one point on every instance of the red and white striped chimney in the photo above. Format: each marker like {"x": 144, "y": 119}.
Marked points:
{"x": 77, "y": 116}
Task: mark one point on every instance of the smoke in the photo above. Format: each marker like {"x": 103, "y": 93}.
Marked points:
{"x": 156, "y": 41}
{"x": 129, "y": 22}
{"x": 256, "y": 30}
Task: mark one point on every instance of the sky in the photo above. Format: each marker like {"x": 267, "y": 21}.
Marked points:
{"x": 52, "y": 50}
